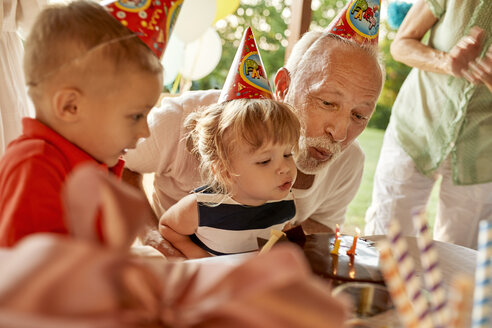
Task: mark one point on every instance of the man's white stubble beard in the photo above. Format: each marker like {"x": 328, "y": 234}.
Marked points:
{"x": 308, "y": 165}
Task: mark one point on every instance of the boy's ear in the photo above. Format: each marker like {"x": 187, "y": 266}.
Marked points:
{"x": 66, "y": 104}
{"x": 282, "y": 83}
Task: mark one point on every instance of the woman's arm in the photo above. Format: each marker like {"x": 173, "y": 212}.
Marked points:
{"x": 180, "y": 221}
{"x": 408, "y": 48}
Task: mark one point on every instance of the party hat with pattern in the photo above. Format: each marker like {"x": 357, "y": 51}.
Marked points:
{"x": 151, "y": 20}
{"x": 247, "y": 76}
{"x": 358, "y": 21}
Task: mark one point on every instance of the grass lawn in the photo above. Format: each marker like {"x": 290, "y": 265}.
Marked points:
{"x": 371, "y": 141}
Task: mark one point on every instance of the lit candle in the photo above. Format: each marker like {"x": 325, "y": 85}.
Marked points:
{"x": 334, "y": 263}
{"x": 336, "y": 246}
{"x": 351, "y": 268}
{"x": 351, "y": 251}
{"x": 337, "y": 232}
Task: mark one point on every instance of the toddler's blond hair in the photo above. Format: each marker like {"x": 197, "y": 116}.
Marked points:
{"x": 216, "y": 130}
{"x": 63, "y": 33}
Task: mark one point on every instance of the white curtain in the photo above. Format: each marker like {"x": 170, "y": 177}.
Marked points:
{"x": 16, "y": 17}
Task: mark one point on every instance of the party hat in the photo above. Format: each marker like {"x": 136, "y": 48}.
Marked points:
{"x": 247, "y": 77}
{"x": 358, "y": 21}
{"x": 151, "y": 20}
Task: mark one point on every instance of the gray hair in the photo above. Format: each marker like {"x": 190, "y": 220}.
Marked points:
{"x": 314, "y": 42}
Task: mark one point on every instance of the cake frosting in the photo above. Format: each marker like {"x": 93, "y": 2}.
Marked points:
{"x": 361, "y": 267}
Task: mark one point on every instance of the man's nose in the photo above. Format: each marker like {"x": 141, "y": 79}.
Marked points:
{"x": 337, "y": 129}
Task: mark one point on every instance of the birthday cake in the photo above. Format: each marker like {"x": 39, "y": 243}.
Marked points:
{"x": 369, "y": 295}
{"x": 363, "y": 266}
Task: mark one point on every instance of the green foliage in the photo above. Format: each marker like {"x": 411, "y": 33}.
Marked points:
{"x": 269, "y": 21}
{"x": 396, "y": 74}
{"x": 269, "y": 28}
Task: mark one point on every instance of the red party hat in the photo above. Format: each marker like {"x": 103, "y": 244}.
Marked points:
{"x": 358, "y": 21}
{"x": 151, "y": 20}
{"x": 247, "y": 77}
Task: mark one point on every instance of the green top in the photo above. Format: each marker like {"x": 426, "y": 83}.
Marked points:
{"x": 436, "y": 115}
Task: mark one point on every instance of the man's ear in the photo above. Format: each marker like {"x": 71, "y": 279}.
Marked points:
{"x": 66, "y": 104}
{"x": 282, "y": 83}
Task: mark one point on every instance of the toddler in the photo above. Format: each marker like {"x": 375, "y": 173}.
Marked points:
{"x": 245, "y": 147}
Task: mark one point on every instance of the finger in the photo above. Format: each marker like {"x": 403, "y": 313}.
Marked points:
{"x": 488, "y": 55}
{"x": 482, "y": 65}
{"x": 481, "y": 72}
{"x": 470, "y": 77}
{"x": 477, "y": 33}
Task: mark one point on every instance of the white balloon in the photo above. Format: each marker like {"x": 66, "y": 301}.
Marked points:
{"x": 194, "y": 18}
{"x": 173, "y": 59}
{"x": 202, "y": 56}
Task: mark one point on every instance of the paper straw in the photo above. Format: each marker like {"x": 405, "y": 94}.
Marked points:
{"x": 460, "y": 300}
{"x": 432, "y": 273}
{"x": 482, "y": 306}
{"x": 275, "y": 235}
{"x": 406, "y": 266}
{"x": 396, "y": 286}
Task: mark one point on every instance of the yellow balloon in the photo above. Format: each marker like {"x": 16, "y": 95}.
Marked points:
{"x": 225, "y": 8}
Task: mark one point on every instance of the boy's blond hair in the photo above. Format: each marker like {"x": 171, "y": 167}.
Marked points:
{"x": 64, "y": 33}
{"x": 215, "y": 132}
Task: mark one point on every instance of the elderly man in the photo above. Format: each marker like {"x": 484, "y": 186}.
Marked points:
{"x": 333, "y": 83}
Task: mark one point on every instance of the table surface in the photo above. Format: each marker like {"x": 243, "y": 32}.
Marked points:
{"x": 453, "y": 259}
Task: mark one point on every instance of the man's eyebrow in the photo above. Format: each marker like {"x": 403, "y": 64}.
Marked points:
{"x": 368, "y": 103}
{"x": 330, "y": 93}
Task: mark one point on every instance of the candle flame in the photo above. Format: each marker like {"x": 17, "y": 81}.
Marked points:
{"x": 357, "y": 231}
{"x": 338, "y": 234}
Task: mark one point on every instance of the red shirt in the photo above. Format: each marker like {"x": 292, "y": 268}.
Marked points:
{"x": 32, "y": 172}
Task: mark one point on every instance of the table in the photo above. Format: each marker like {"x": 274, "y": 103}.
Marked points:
{"x": 453, "y": 259}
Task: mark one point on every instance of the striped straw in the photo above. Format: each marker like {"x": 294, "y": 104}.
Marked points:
{"x": 406, "y": 266}
{"x": 482, "y": 306}
{"x": 396, "y": 286}
{"x": 460, "y": 303}
{"x": 432, "y": 273}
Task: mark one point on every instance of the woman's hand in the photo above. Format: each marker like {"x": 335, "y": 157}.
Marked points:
{"x": 465, "y": 52}
{"x": 480, "y": 70}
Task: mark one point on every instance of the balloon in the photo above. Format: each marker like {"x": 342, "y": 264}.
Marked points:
{"x": 194, "y": 19}
{"x": 397, "y": 12}
{"x": 173, "y": 59}
{"x": 225, "y": 8}
{"x": 201, "y": 56}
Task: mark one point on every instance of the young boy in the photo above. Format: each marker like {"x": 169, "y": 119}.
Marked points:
{"x": 92, "y": 82}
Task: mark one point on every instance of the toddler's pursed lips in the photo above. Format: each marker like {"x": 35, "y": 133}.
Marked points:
{"x": 286, "y": 185}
